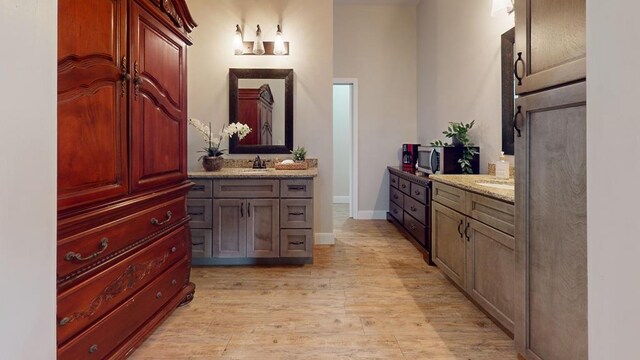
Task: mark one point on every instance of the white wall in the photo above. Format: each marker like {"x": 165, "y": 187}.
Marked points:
{"x": 28, "y": 179}
{"x": 341, "y": 141}
{"x": 377, "y": 45}
{"x": 308, "y": 26}
{"x": 613, "y": 170}
{"x": 459, "y": 71}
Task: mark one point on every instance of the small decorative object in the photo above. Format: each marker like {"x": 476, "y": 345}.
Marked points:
{"x": 458, "y": 132}
{"x": 299, "y": 154}
{"x": 292, "y": 165}
{"x": 212, "y": 160}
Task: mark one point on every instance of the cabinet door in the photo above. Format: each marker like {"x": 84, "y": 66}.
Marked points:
{"x": 92, "y": 96}
{"x": 490, "y": 270}
{"x": 550, "y": 43}
{"x": 263, "y": 228}
{"x": 448, "y": 243}
{"x": 551, "y": 225}
{"x": 158, "y": 103}
{"x": 229, "y": 228}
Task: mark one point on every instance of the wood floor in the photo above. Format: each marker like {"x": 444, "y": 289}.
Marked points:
{"x": 369, "y": 296}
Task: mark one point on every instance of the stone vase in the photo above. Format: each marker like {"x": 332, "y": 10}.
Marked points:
{"x": 212, "y": 163}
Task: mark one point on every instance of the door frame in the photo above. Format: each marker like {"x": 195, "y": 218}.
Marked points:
{"x": 353, "y": 158}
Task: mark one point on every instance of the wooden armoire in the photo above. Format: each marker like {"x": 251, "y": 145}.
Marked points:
{"x": 123, "y": 243}
{"x": 255, "y": 108}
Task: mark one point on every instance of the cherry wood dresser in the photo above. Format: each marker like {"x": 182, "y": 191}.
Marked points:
{"x": 124, "y": 252}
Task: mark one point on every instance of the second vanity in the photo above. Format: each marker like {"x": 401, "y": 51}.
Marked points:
{"x": 242, "y": 216}
{"x": 473, "y": 240}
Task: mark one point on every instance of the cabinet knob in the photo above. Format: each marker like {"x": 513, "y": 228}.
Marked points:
{"x": 413, "y": 208}
{"x": 158, "y": 295}
{"x": 64, "y": 321}
{"x": 173, "y": 249}
{"x": 93, "y": 348}
{"x": 174, "y": 282}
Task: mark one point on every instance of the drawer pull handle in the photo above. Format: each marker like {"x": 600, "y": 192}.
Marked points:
{"x": 248, "y": 209}
{"x": 158, "y": 295}
{"x": 515, "y": 69}
{"x": 196, "y": 212}
{"x": 173, "y": 249}
{"x": 395, "y": 211}
{"x": 296, "y": 187}
{"x": 197, "y": 243}
{"x": 197, "y": 188}
{"x": 64, "y": 321}
{"x": 72, "y": 256}
{"x": 93, "y": 348}
{"x": 404, "y": 186}
{"x": 395, "y": 196}
{"x": 466, "y": 232}
{"x": 242, "y": 210}
{"x": 296, "y": 213}
{"x": 460, "y": 228}
{"x": 417, "y": 192}
{"x": 155, "y": 221}
{"x": 413, "y": 208}
{"x": 296, "y": 242}
{"x": 412, "y": 227}
{"x": 174, "y": 282}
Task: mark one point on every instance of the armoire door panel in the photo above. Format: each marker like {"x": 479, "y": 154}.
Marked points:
{"x": 92, "y": 129}
{"x": 158, "y": 124}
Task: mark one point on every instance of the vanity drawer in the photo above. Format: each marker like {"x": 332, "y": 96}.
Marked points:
{"x": 415, "y": 228}
{"x": 296, "y": 188}
{"x": 201, "y": 213}
{"x": 296, "y": 213}
{"x": 105, "y": 335}
{"x": 393, "y": 181}
{"x": 296, "y": 243}
{"x": 449, "y": 196}
{"x": 419, "y": 193}
{"x": 396, "y": 211}
{"x": 201, "y": 189}
{"x": 415, "y": 209}
{"x": 201, "y": 243}
{"x": 396, "y": 196}
{"x": 81, "y": 250}
{"x": 83, "y": 304}
{"x": 246, "y": 188}
{"x": 405, "y": 186}
{"x": 492, "y": 212}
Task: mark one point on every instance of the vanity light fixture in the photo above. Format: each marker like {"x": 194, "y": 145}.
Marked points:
{"x": 501, "y": 5}
{"x": 259, "y": 47}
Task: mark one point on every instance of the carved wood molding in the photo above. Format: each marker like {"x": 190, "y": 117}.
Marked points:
{"x": 178, "y": 12}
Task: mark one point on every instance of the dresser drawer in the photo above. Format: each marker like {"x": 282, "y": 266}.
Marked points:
{"x": 78, "y": 307}
{"x": 296, "y": 188}
{"x": 246, "y": 188}
{"x": 89, "y": 247}
{"x": 415, "y": 228}
{"x": 201, "y": 243}
{"x": 396, "y": 211}
{"x": 105, "y": 335}
{"x": 296, "y": 213}
{"x": 201, "y": 189}
{"x": 449, "y": 196}
{"x": 415, "y": 209}
{"x": 396, "y": 196}
{"x": 419, "y": 193}
{"x": 405, "y": 186}
{"x": 200, "y": 211}
{"x": 296, "y": 243}
{"x": 492, "y": 212}
{"x": 393, "y": 180}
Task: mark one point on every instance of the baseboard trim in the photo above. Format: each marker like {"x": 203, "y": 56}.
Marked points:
{"x": 324, "y": 238}
{"x": 372, "y": 215}
{"x": 341, "y": 199}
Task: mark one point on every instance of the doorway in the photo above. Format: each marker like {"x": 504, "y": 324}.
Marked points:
{"x": 345, "y": 148}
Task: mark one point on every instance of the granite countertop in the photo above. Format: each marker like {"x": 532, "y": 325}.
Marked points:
{"x": 473, "y": 183}
{"x": 229, "y": 172}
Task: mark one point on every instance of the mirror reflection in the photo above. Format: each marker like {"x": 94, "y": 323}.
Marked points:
{"x": 261, "y": 106}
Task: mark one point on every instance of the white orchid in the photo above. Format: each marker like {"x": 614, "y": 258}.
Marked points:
{"x": 213, "y": 148}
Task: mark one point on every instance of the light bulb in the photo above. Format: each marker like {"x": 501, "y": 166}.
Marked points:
{"x": 278, "y": 46}
{"x": 258, "y": 45}
{"x": 238, "y": 43}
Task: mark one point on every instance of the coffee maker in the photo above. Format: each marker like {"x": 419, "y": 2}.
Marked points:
{"x": 409, "y": 156}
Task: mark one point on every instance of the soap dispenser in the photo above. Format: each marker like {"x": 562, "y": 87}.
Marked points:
{"x": 502, "y": 167}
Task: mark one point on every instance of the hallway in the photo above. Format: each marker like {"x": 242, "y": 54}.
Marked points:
{"x": 369, "y": 296}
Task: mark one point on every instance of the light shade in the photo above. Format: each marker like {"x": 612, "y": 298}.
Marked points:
{"x": 278, "y": 46}
{"x": 238, "y": 45}
{"x": 258, "y": 45}
{"x": 499, "y": 6}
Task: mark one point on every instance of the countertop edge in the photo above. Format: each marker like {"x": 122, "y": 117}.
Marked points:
{"x": 475, "y": 188}
{"x": 236, "y": 173}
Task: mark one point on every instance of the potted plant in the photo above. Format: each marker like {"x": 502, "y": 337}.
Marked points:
{"x": 458, "y": 132}
{"x": 299, "y": 154}
{"x": 212, "y": 160}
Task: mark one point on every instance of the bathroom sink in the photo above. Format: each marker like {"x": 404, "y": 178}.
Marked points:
{"x": 497, "y": 185}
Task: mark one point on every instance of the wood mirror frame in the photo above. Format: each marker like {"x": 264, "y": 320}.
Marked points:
{"x": 508, "y": 91}
{"x": 287, "y": 74}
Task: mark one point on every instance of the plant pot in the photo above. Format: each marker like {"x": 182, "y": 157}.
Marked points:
{"x": 212, "y": 163}
{"x": 299, "y": 161}
{"x": 455, "y": 141}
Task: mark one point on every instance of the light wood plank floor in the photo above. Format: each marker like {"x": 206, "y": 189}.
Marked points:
{"x": 369, "y": 296}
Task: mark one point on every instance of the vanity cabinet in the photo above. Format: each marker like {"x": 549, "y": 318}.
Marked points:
{"x": 473, "y": 245}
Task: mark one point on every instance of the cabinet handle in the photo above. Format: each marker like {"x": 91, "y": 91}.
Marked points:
{"x": 249, "y": 210}
{"x": 413, "y": 208}
{"x": 241, "y": 209}
{"x": 466, "y": 232}
{"x": 395, "y": 211}
{"x": 395, "y": 196}
{"x": 137, "y": 80}
{"x": 158, "y": 294}
{"x": 173, "y": 249}
{"x": 417, "y": 192}
{"x": 73, "y": 256}
{"x": 157, "y": 222}
{"x": 296, "y": 187}
{"x": 93, "y": 348}
{"x": 460, "y": 227}
{"x": 296, "y": 213}
{"x": 64, "y": 321}
{"x": 197, "y": 243}
{"x": 197, "y": 188}
{"x": 296, "y": 242}
{"x": 412, "y": 226}
{"x": 515, "y": 68}
{"x": 124, "y": 77}
{"x": 174, "y": 282}
{"x": 515, "y": 120}
{"x": 404, "y": 186}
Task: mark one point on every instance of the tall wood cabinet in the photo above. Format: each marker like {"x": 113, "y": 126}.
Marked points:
{"x": 551, "y": 192}
{"x": 123, "y": 254}
{"x": 255, "y": 108}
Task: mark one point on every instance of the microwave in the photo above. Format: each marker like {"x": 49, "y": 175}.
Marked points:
{"x": 444, "y": 159}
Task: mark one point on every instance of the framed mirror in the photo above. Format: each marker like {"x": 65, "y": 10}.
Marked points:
{"x": 262, "y": 99}
{"x": 508, "y": 91}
